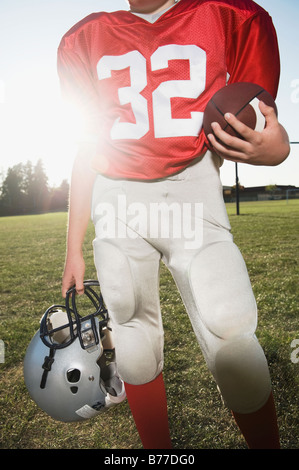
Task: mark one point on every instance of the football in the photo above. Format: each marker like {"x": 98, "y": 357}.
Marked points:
{"x": 242, "y": 100}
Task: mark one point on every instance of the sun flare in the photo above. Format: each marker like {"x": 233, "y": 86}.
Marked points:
{"x": 36, "y": 124}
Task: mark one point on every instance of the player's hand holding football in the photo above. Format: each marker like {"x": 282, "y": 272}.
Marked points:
{"x": 270, "y": 147}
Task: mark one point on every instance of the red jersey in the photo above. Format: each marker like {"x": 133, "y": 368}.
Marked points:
{"x": 143, "y": 87}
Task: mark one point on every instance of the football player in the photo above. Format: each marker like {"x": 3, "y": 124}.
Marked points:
{"x": 142, "y": 79}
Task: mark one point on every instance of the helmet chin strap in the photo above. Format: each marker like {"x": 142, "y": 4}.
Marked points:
{"x": 47, "y": 366}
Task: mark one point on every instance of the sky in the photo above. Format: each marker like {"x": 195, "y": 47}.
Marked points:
{"x": 32, "y": 121}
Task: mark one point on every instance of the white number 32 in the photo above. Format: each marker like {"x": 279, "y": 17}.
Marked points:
{"x": 164, "y": 124}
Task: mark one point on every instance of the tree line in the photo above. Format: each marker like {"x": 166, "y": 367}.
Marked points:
{"x": 25, "y": 190}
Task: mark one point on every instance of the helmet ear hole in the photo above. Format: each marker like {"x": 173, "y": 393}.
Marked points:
{"x": 73, "y": 376}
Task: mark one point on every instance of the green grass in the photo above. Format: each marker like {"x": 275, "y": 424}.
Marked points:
{"x": 32, "y": 258}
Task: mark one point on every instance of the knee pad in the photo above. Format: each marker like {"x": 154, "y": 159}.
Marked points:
{"x": 222, "y": 291}
{"x": 139, "y": 356}
{"x": 242, "y": 374}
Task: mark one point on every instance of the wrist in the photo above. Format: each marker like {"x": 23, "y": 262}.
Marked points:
{"x": 74, "y": 252}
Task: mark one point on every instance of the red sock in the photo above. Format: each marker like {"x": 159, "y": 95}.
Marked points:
{"x": 148, "y": 405}
{"x": 260, "y": 428}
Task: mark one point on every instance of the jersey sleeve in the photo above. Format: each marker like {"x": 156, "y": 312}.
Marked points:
{"x": 78, "y": 92}
{"x": 253, "y": 54}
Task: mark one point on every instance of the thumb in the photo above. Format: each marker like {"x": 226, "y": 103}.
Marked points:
{"x": 269, "y": 113}
{"x": 79, "y": 286}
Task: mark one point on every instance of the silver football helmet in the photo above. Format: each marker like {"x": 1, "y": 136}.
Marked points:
{"x": 69, "y": 366}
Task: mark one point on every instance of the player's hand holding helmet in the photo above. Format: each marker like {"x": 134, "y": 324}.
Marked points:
{"x": 69, "y": 367}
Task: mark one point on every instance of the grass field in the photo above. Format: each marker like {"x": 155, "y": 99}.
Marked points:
{"x": 32, "y": 258}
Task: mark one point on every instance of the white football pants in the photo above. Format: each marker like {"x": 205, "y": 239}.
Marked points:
{"x": 182, "y": 221}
